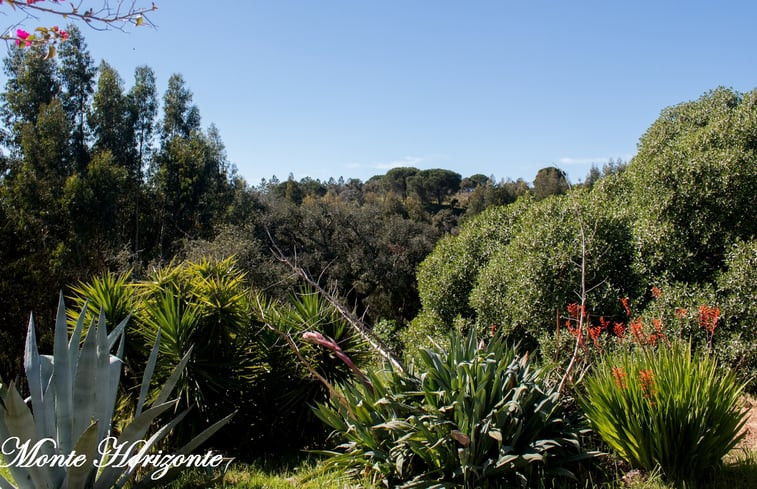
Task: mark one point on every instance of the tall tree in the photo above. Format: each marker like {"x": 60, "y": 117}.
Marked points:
{"x": 32, "y": 83}
{"x": 143, "y": 108}
{"x": 77, "y": 76}
{"x": 142, "y": 101}
{"x": 550, "y": 181}
{"x": 111, "y": 122}
{"x": 180, "y": 116}
{"x": 436, "y": 184}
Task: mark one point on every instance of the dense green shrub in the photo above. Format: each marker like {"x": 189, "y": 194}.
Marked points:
{"x": 477, "y": 415}
{"x": 538, "y": 271}
{"x": 446, "y": 275}
{"x": 692, "y": 185}
{"x": 665, "y": 407}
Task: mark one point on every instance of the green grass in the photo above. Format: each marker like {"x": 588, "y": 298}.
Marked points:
{"x": 739, "y": 472}
{"x": 306, "y": 476}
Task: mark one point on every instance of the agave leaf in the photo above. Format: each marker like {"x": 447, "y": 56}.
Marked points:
{"x": 86, "y": 445}
{"x": 117, "y": 331}
{"x": 62, "y": 381}
{"x": 73, "y": 343}
{"x": 205, "y": 434}
{"x": 147, "y": 375}
{"x": 103, "y": 375}
{"x": 186, "y": 449}
{"x": 19, "y": 474}
{"x": 46, "y": 423}
{"x": 4, "y": 484}
{"x": 156, "y": 437}
{"x": 34, "y": 374}
{"x": 109, "y": 394}
{"x": 85, "y": 387}
{"x": 20, "y": 423}
{"x": 168, "y": 387}
{"x": 133, "y": 432}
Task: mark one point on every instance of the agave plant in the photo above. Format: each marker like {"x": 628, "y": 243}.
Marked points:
{"x": 474, "y": 416}
{"x": 73, "y": 397}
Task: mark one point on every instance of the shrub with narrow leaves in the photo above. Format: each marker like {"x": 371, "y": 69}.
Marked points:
{"x": 476, "y": 415}
{"x": 665, "y": 407}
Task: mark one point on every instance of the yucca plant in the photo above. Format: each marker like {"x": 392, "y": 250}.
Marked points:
{"x": 667, "y": 408}
{"x": 199, "y": 307}
{"x": 286, "y": 388}
{"x": 73, "y": 396}
{"x": 474, "y": 416}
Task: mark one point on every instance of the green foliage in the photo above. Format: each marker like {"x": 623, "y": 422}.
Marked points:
{"x": 538, "y": 272}
{"x": 515, "y": 266}
{"x": 434, "y": 184}
{"x": 284, "y": 387}
{"x": 200, "y": 307}
{"x": 73, "y": 394}
{"x": 550, "y": 181}
{"x": 445, "y": 276}
{"x": 666, "y": 407}
{"x": 476, "y": 415}
{"x": 692, "y": 185}
{"x": 737, "y": 283}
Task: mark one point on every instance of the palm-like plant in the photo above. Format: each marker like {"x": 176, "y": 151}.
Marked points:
{"x": 203, "y": 308}
{"x": 286, "y": 386}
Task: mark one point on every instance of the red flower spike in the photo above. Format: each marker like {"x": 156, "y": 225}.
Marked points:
{"x": 624, "y": 301}
{"x": 637, "y": 330}
{"x": 620, "y": 330}
{"x": 620, "y": 377}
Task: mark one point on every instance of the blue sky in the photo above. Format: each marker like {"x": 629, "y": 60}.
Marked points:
{"x": 351, "y": 88}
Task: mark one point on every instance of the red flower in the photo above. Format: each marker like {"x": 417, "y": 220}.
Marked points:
{"x": 656, "y": 292}
{"x": 657, "y": 325}
{"x": 620, "y": 377}
{"x": 573, "y": 310}
{"x": 681, "y": 312}
{"x": 637, "y": 330}
{"x": 594, "y": 332}
{"x": 624, "y": 301}
{"x": 646, "y": 379}
{"x": 604, "y": 324}
{"x": 620, "y": 330}
{"x": 708, "y": 318}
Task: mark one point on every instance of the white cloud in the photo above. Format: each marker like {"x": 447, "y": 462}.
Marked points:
{"x": 585, "y": 161}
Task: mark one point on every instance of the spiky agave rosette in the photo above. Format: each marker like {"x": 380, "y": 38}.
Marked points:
{"x": 73, "y": 397}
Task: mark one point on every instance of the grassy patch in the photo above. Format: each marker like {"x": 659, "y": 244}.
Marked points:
{"x": 307, "y": 476}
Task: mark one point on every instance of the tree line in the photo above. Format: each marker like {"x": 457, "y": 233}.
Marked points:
{"x": 99, "y": 176}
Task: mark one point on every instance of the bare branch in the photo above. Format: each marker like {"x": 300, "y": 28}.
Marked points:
{"x": 356, "y": 324}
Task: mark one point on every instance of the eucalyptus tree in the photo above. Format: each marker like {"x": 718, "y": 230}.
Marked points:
{"x": 77, "y": 77}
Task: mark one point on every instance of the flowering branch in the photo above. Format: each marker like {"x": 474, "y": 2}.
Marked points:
{"x": 106, "y": 17}
{"x": 359, "y": 326}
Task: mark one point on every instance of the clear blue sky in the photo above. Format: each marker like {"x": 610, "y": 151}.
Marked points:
{"x": 350, "y": 88}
